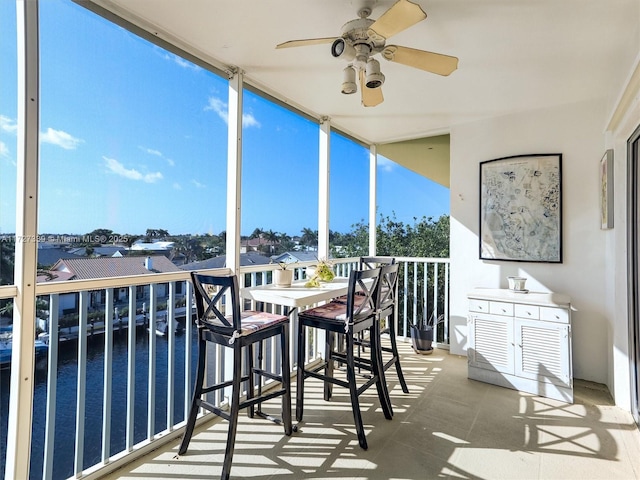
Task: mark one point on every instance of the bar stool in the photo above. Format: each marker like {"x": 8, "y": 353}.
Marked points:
{"x": 235, "y": 331}
{"x": 387, "y": 309}
{"x": 356, "y": 315}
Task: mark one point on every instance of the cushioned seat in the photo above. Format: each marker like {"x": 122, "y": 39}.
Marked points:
{"x": 387, "y": 310}
{"x": 238, "y": 331}
{"x": 357, "y": 314}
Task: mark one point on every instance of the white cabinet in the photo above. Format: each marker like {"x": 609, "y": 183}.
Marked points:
{"x": 521, "y": 341}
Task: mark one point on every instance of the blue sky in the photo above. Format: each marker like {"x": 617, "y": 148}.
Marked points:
{"x": 133, "y": 137}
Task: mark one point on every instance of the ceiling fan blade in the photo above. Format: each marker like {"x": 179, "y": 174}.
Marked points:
{"x": 305, "y": 42}
{"x": 427, "y": 61}
{"x": 399, "y": 17}
{"x": 370, "y": 96}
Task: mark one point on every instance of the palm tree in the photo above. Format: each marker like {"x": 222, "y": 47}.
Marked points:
{"x": 309, "y": 238}
{"x": 257, "y": 233}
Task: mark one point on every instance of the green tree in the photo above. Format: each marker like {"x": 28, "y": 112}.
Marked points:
{"x": 425, "y": 238}
{"x": 7, "y": 258}
{"x": 257, "y": 233}
{"x": 309, "y": 238}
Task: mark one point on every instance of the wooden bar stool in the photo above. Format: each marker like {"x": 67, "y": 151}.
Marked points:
{"x": 237, "y": 330}
{"x": 359, "y": 313}
{"x": 387, "y": 309}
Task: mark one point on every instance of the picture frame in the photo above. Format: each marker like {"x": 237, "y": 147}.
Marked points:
{"x": 606, "y": 190}
{"x": 521, "y": 208}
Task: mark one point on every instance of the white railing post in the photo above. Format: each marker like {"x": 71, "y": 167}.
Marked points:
{"x": 171, "y": 347}
{"x": 131, "y": 370}
{"x": 151, "y": 379}
{"x": 108, "y": 372}
{"x": 82, "y": 382}
{"x": 52, "y": 388}
{"x": 188, "y": 349}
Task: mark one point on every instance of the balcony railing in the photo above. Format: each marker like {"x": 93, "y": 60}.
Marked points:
{"x": 111, "y": 386}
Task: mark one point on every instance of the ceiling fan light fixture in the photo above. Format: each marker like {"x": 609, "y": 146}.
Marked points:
{"x": 341, "y": 49}
{"x": 373, "y": 76}
{"x": 349, "y": 85}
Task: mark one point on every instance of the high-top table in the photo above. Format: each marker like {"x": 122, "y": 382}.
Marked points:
{"x": 297, "y": 295}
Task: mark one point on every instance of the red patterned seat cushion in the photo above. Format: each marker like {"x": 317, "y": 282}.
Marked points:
{"x": 336, "y": 310}
{"x": 332, "y": 311}
{"x": 253, "y": 320}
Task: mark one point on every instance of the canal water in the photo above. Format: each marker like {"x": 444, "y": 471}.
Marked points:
{"x": 65, "y": 425}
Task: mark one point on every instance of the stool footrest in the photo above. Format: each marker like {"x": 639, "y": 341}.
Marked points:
{"x": 249, "y": 402}
{"x": 213, "y": 409}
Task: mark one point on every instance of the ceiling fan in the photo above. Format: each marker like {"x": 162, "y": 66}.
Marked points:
{"x": 363, "y": 38}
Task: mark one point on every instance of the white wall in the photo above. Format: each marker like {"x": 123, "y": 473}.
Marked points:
{"x": 577, "y": 132}
{"x": 626, "y": 119}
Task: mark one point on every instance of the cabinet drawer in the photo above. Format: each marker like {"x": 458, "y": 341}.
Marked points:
{"x": 551, "y": 314}
{"x": 478, "y": 306}
{"x": 501, "y": 308}
{"x": 527, "y": 311}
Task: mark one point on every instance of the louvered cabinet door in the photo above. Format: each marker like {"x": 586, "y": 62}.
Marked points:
{"x": 491, "y": 344}
{"x": 543, "y": 351}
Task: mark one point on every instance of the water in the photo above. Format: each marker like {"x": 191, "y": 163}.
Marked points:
{"x": 65, "y": 425}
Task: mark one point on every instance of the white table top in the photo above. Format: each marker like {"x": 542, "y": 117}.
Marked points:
{"x": 297, "y": 295}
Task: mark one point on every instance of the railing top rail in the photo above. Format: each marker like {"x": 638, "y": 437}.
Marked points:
{"x": 308, "y": 263}
{"x": 423, "y": 259}
{"x": 70, "y": 286}
{"x": 8, "y": 291}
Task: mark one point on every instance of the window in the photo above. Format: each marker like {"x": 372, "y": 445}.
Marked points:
{"x": 349, "y": 197}
{"x": 132, "y": 137}
{"x": 280, "y": 178}
{"x": 8, "y": 141}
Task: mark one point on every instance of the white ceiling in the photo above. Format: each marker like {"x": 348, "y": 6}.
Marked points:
{"x": 514, "y": 55}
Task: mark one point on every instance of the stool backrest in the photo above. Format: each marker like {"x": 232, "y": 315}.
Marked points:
{"x": 374, "y": 262}
{"x": 388, "y": 278}
{"x": 388, "y": 286}
{"x": 209, "y": 291}
{"x": 364, "y": 285}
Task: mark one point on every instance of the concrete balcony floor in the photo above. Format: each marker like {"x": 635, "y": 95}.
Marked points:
{"x": 447, "y": 427}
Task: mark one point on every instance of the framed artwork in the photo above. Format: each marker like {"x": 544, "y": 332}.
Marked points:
{"x": 521, "y": 208}
{"x": 606, "y": 190}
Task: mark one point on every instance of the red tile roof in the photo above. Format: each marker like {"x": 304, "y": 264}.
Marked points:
{"x": 105, "y": 267}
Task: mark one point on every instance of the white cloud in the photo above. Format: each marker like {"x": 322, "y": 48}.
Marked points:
{"x": 8, "y": 125}
{"x": 177, "y": 186}
{"x": 177, "y": 60}
{"x": 248, "y": 120}
{"x": 157, "y": 153}
{"x": 60, "y": 138}
{"x": 4, "y": 153}
{"x": 198, "y": 184}
{"x": 118, "y": 168}
{"x": 220, "y": 107}
{"x": 151, "y": 151}
{"x": 385, "y": 164}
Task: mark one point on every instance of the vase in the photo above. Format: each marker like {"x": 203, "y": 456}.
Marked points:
{"x": 283, "y": 278}
{"x": 422, "y": 339}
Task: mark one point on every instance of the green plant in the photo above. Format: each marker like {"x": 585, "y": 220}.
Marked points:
{"x": 285, "y": 265}
{"x": 323, "y": 273}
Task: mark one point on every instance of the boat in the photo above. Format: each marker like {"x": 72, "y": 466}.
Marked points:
{"x": 162, "y": 326}
{"x": 6, "y": 349}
